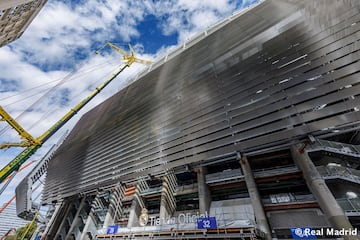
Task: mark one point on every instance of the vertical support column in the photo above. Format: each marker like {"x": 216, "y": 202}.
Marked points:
{"x": 135, "y": 209}
{"x": 76, "y": 217}
{"x": 255, "y": 198}
{"x": 90, "y": 224}
{"x": 60, "y": 229}
{"x": 134, "y": 214}
{"x": 52, "y": 222}
{"x": 114, "y": 206}
{"x": 203, "y": 191}
{"x": 320, "y": 190}
{"x": 108, "y": 218}
{"x": 168, "y": 201}
{"x": 163, "y": 201}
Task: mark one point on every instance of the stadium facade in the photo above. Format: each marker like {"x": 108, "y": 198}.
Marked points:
{"x": 247, "y": 131}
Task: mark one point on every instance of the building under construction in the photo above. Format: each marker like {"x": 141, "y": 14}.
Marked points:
{"x": 247, "y": 131}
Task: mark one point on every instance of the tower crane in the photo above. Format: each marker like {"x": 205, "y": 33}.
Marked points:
{"x": 33, "y": 144}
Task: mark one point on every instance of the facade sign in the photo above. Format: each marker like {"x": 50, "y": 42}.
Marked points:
{"x": 182, "y": 218}
{"x": 112, "y": 229}
{"x": 206, "y": 223}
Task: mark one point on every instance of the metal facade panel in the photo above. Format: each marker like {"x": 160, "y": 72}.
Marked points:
{"x": 258, "y": 81}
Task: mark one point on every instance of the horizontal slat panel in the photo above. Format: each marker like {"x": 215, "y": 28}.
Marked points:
{"x": 259, "y": 82}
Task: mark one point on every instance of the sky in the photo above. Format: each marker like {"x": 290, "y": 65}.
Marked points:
{"x": 58, "y": 50}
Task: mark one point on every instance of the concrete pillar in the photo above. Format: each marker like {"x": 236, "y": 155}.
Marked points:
{"x": 203, "y": 191}
{"x": 63, "y": 221}
{"x": 89, "y": 226}
{"x": 115, "y": 203}
{"x": 75, "y": 221}
{"x": 109, "y": 220}
{"x": 54, "y": 217}
{"x": 259, "y": 212}
{"x": 135, "y": 211}
{"x": 109, "y": 217}
{"x": 320, "y": 190}
{"x": 164, "y": 201}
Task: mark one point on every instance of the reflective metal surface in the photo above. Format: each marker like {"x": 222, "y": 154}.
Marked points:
{"x": 259, "y": 81}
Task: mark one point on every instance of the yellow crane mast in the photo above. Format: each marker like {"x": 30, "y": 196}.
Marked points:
{"x": 33, "y": 144}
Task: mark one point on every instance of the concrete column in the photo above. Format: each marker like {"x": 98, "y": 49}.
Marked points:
{"x": 53, "y": 219}
{"x": 259, "y": 212}
{"x": 88, "y": 225}
{"x": 163, "y": 201}
{"x": 75, "y": 221}
{"x": 203, "y": 191}
{"x": 320, "y": 190}
{"x": 63, "y": 221}
{"x": 135, "y": 211}
{"x": 115, "y": 203}
{"x": 108, "y": 218}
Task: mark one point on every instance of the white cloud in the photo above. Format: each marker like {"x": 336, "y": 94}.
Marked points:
{"x": 188, "y": 17}
{"x": 204, "y": 19}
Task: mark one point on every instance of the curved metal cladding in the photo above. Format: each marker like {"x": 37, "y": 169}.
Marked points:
{"x": 259, "y": 81}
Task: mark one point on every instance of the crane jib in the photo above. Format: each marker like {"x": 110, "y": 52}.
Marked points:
{"x": 15, "y": 164}
{"x": 78, "y": 107}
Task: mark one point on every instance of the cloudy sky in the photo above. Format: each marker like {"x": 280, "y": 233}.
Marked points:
{"x": 58, "y": 49}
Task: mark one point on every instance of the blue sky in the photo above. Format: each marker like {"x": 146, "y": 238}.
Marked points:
{"x": 59, "y": 47}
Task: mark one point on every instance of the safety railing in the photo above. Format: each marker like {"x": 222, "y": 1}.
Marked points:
{"x": 226, "y": 175}
{"x": 334, "y": 147}
{"x": 337, "y": 171}
{"x": 275, "y": 171}
{"x": 351, "y": 207}
{"x": 282, "y": 198}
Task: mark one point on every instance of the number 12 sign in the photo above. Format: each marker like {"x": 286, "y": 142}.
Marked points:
{"x": 206, "y": 223}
